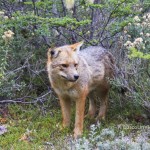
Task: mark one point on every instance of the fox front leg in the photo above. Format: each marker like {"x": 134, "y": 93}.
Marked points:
{"x": 79, "y": 118}
{"x": 65, "y": 104}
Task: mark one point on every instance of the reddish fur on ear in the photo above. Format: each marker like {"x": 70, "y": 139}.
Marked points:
{"x": 76, "y": 46}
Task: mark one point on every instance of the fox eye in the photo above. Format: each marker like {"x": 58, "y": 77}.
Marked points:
{"x": 75, "y": 65}
{"x": 52, "y": 52}
{"x": 64, "y": 65}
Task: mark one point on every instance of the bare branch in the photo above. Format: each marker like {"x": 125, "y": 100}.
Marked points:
{"x": 23, "y": 99}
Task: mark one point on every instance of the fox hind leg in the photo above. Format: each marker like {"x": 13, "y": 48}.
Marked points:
{"x": 103, "y": 94}
{"x": 103, "y": 110}
{"x": 92, "y": 108}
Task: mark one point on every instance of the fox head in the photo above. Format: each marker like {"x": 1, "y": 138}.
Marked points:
{"x": 64, "y": 61}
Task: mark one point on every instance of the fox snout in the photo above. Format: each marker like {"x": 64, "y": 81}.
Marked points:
{"x": 75, "y": 77}
{"x": 71, "y": 78}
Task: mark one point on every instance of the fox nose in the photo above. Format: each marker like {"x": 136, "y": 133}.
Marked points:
{"x": 76, "y": 77}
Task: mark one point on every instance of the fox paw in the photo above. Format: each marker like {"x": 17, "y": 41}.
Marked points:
{"x": 100, "y": 118}
{"x": 89, "y": 115}
{"x": 77, "y": 133}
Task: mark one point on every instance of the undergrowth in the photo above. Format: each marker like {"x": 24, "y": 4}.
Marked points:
{"x": 39, "y": 128}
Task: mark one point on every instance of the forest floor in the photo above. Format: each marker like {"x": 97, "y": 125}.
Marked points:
{"x": 34, "y": 127}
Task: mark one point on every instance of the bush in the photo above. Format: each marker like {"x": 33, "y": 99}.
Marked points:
{"x": 36, "y": 25}
{"x": 107, "y": 138}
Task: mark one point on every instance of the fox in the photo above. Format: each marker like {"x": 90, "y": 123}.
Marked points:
{"x": 76, "y": 75}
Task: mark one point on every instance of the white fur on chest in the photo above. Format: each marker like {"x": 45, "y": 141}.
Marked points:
{"x": 72, "y": 92}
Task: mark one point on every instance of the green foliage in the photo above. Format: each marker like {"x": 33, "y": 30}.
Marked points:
{"x": 138, "y": 36}
{"x": 30, "y": 19}
{"x": 39, "y": 4}
{"x": 138, "y": 54}
{"x": 97, "y": 6}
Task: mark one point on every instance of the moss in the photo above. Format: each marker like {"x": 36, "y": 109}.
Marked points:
{"x": 35, "y": 127}
{"x": 28, "y": 128}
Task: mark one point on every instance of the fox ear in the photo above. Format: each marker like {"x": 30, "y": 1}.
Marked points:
{"x": 53, "y": 52}
{"x": 76, "y": 46}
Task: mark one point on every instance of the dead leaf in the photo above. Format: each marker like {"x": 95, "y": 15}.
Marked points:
{"x": 3, "y": 120}
{"x": 24, "y": 137}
